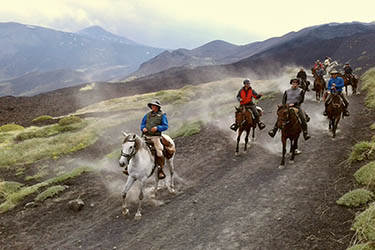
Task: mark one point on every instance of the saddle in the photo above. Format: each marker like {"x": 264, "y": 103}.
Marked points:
{"x": 168, "y": 148}
{"x": 259, "y": 109}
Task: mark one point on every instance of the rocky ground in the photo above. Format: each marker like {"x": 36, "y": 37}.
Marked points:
{"x": 223, "y": 201}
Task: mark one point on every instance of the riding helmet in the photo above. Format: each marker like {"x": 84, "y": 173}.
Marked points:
{"x": 154, "y": 102}
{"x": 247, "y": 80}
{"x": 334, "y": 72}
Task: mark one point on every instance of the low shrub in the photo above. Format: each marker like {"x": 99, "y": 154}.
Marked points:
{"x": 188, "y": 129}
{"x": 356, "y": 198}
{"x": 362, "y": 151}
{"x": 365, "y": 246}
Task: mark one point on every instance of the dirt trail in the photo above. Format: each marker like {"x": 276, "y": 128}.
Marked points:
{"x": 225, "y": 202}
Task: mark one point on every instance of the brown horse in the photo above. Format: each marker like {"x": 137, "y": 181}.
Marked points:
{"x": 334, "y": 111}
{"x": 290, "y": 127}
{"x": 351, "y": 80}
{"x": 245, "y": 122}
{"x": 319, "y": 85}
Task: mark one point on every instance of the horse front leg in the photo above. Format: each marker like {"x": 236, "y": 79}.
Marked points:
{"x": 238, "y": 141}
{"x": 334, "y": 126}
{"x": 246, "y": 139}
{"x": 253, "y": 135}
{"x": 282, "y": 163}
{"x": 128, "y": 185}
{"x": 293, "y": 146}
{"x": 138, "y": 215}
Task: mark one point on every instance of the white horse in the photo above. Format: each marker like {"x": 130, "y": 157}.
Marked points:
{"x": 330, "y": 67}
{"x": 137, "y": 157}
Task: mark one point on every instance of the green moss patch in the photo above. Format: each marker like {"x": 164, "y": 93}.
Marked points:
{"x": 49, "y": 192}
{"x": 365, "y": 246}
{"x": 368, "y": 84}
{"x": 8, "y": 187}
{"x": 366, "y": 175}
{"x": 69, "y": 120}
{"x": 362, "y": 151}
{"x": 356, "y": 198}
{"x": 10, "y": 127}
{"x": 364, "y": 225}
{"x": 188, "y": 129}
{"x": 43, "y": 118}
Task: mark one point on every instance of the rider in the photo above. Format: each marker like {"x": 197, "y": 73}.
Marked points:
{"x": 245, "y": 97}
{"x": 327, "y": 62}
{"x": 319, "y": 70}
{"x": 303, "y": 76}
{"x": 348, "y": 71}
{"x": 335, "y": 84}
{"x": 153, "y": 123}
{"x": 294, "y": 97}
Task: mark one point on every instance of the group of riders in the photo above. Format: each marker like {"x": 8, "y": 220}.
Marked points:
{"x": 155, "y": 121}
{"x": 295, "y": 95}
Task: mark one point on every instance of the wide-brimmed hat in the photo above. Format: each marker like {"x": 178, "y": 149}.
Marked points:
{"x": 334, "y": 72}
{"x": 154, "y": 102}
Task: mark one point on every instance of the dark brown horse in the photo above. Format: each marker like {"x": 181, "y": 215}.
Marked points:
{"x": 351, "y": 80}
{"x": 245, "y": 122}
{"x": 334, "y": 111}
{"x": 290, "y": 127}
{"x": 319, "y": 85}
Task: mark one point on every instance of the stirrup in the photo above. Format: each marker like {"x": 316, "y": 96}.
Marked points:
{"x": 261, "y": 125}
{"x": 346, "y": 113}
{"x": 272, "y": 133}
{"x": 325, "y": 113}
{"x": 234, "y": 127}
{"x": 161, "y": 174}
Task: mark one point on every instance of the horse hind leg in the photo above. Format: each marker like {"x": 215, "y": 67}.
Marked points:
{"x": 170, "y": 164}
{"x": 253, "y": 135}
{"x": 246, "y": 140}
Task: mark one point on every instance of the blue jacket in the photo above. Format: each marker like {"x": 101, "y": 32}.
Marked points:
{"x": 161, "y": 128}
{"x": 339, "y": 84}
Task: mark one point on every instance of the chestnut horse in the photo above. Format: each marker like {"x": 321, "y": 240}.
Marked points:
{"x": 290, "y": 127}
{"x": 245, "y": 122}
{"x": 334, "y": 111}
{"x": 319, "y": 85}
{"x": 351, "y": 80}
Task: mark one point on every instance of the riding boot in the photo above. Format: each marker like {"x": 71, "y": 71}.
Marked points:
{"x": 234, "y": 127}
{"x": 261, "y": 125}
{"x": 346, "y": 112}
{"x": 273, "y": 131}
{"x": 159, "y": 162}
{"x": 306, "y": 135}
{"x": 307, "y": 117}
{"x": 125, "y": 171}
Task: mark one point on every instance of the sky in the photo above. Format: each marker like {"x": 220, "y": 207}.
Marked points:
{"x": 173, "y": 24}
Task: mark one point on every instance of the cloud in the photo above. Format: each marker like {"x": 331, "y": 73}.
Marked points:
{"x": 173, "y": 24}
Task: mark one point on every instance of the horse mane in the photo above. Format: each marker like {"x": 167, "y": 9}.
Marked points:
{"x": 134, "y": 137}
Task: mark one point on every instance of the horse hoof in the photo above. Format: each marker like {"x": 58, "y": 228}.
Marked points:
{"x": 297, "y": 152}
{"x": 281, "y": 166}
{"x": 125, "y": 211}
{"x": 291, "y": 161}
{"x": 138, "y": 216}
{"x": 172, "y": 191}
{"x": 237, "y": 154}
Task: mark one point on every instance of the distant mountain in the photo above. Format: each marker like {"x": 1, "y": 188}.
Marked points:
{"x": 27, "y": 48}
{"x": 281, "y": 49}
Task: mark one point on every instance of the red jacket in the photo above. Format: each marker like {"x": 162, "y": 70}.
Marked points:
{"x": 246, "y": 97}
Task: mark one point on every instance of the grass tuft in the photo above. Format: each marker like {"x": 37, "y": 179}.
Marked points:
{"x": 362, "y": 151}
{"x": 69, "y": 120}
{"x": 188, "y": 129}
{"x": 43, "y": 118}
{"x": 366, "y": 175}
{"x": 49, "y": 192}
{"x": 364, "y": 246}
{"x": 356, "y": 198}
{"x": 364, "y": 224}
{"x": 368, "y": 84}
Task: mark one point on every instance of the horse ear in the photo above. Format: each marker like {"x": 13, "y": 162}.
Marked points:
{"x": 124, "y": 134}
{"x": 279, "y": 105}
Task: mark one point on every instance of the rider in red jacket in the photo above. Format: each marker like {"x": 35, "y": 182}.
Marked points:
{"x": 245, "y": 97}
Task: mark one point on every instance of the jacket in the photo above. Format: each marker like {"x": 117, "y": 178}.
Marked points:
{"x": 339, "y": 84}
{"x": 154, "y": 119}
{"x": 295, "y": 96}
{"x": 246, "y": 97}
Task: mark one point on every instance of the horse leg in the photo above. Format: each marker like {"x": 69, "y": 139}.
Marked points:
{"x": 128, "y": 185}
{"x": 138, "y": 215}
{"x": 253, "y": 135}
{"x": 282, "y": 163}
{"x": 333, "y": 127}
{"x": 171, "y": 171}
{"x": 292, "y": 149}
{"x": 238, "y": 140}
{"x": 246, "y": 138}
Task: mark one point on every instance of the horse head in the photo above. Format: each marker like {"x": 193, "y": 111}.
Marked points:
{"x": 283, "y": 115}
{"x": 130, "y": 147}
{"x": 336, "y": 101}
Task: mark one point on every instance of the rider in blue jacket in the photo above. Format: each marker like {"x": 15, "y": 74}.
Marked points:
{"x": 335, "y": 85}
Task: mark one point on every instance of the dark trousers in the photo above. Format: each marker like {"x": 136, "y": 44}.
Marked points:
{"x": 253, "y": 109}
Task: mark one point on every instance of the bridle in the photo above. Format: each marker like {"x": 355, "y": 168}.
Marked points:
{"x": 285, "y": 120}
{"x": 132, "y": 153}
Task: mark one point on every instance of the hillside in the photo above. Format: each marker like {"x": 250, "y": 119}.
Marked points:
{"x": 222, "y": 201}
